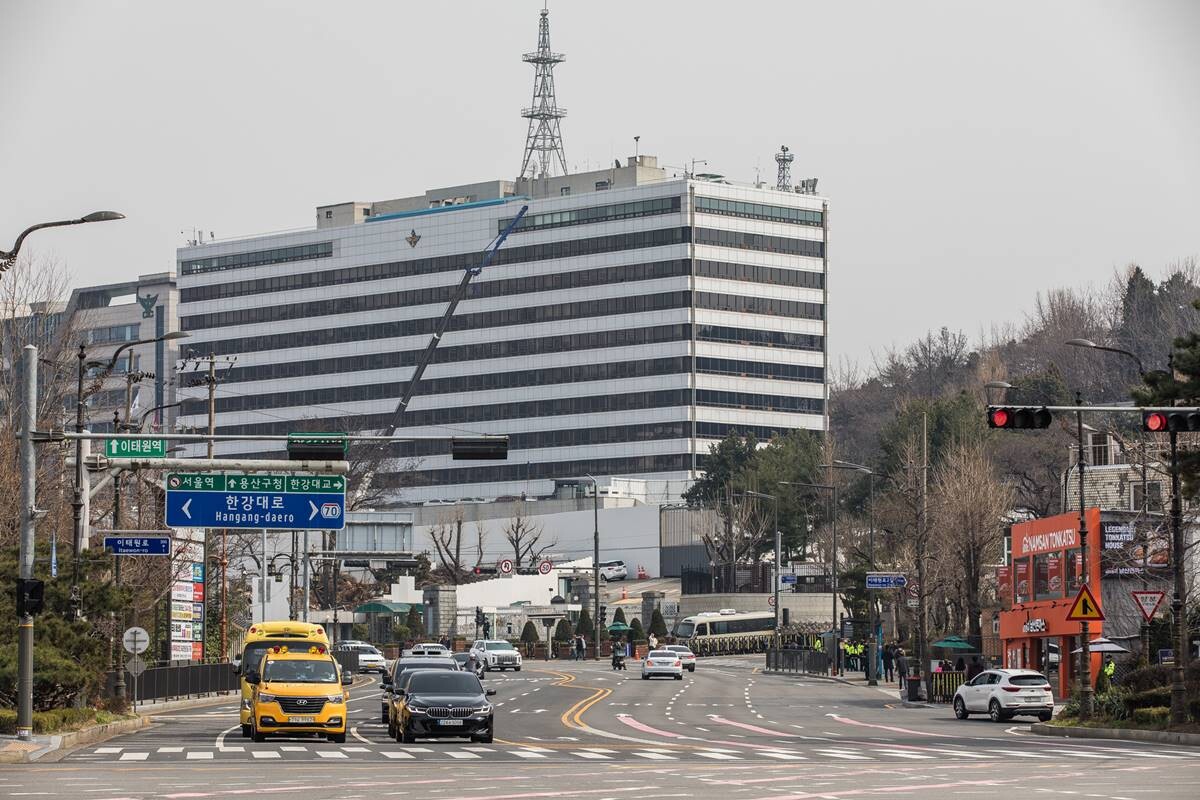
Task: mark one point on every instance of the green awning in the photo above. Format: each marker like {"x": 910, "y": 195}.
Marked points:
{"x": 385, "y": 607}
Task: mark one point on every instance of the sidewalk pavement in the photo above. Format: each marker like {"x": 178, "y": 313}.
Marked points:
{"x": 889, "y": 688}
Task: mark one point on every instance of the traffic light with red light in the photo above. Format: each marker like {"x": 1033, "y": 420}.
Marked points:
{"x": 1163, "y": 421}
{"x": 485, "y": 570}
{"x": 1018, "y": 417}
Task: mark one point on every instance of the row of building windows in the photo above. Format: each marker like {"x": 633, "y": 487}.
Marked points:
{"x": 585, "y": 216}
{"x": 759, "y": 305}
{"x": 737, "y": 208}
{"x": 758, "y": 241}
{"x": 532, "y": 409}
{"x": 430, "y": 266}
{"x": 114, "y": 334}
{"x": 719, "y": 430}
{"x": 757, "y": 338}
{"x": 751, "y": 273}
{"x": 476, "y": 382}
{"x": 626, "y": 273}
{"x": 461, "y": 322}
{"x": 536, "y": 440}
{"x": 673, "y": 462}
{"x": 257, "y": 258}
{"x": 759, "y": 369}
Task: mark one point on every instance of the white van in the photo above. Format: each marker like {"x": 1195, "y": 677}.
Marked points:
{"x": 613, "y": 571}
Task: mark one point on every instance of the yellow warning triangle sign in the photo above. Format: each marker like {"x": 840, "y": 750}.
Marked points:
{"x": 1085, "y": 607}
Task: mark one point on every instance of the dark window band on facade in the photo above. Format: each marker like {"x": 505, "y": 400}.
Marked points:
{"x": 513, "y": 348}
{"x": 750, "y": 273}
{"x": 585, "y": 216}
{"x": 673, "y": 462}
{"x": 576, "y": 373}
{"x": 599, "y": 404}
{"x": 759, "y": 402}
{"x": 569, "y": 248}
{"x": 484, "y": 319}
{"x": 628, "y": 273}
{"x": 719, "y": 430}
{"x": 760, "y": 242}
{"x": 257, "y": 258}
{"x": 759, "y": 305}
{"x": 757, "y": 338}
{"x": 758, "y": 369}
{"x": 737, "y": 208}
{"x": 537, "y": 440}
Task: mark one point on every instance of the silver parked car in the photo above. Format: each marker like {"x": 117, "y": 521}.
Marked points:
{"x": 685, "y": 655}
{"x": 664, "y": 663}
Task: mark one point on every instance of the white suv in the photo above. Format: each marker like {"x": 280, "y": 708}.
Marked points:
{"x": 496, "y": 654}
{"x": 613, "y": 570}
{"x": 1005, "y": 693}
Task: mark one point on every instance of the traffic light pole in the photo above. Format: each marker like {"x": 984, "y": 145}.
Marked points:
{"x": 1178, "y": 686}
{"x": 1086, "y": 696}
{"x": 28, "y": 520}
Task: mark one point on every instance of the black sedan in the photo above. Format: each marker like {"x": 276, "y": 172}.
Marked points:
{"x": 403, "y": 665}
{"x": 443, "y": 703}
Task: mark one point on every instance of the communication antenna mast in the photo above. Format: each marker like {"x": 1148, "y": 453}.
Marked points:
{"x": 543, "y": 142}
{"x": 783, "y": 179}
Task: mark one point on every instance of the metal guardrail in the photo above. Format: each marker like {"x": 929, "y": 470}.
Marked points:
{"x": 798, "y": 660}
{"x": 176, "y": 682}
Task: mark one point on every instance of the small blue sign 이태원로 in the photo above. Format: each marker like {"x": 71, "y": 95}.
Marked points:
{"x": 138, "y": 545}
{"x": 886, "y": 580}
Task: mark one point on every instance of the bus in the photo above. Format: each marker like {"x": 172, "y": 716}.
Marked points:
{"x": 728, "y": 631}
{"x": 261, "y": 637}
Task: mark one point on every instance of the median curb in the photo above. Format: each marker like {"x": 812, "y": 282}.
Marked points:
{"x": 858, "y": 685}
{"x": 58, "y": 744}
{"x": 1129, "y": 734}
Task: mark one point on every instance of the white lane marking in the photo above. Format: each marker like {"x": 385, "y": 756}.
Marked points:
{"x": 332, "y": 754}
{"x": 461, "y": 754}
{"x": 528, "y": 754}
{"x": 170, "y": 749}
{"x": 904, "y": 754}
{"x": 839, "y": 754}
{"x": 133, "y": 756}
{"x": 294, "y": 748}
{"x": 199, "y": 755}
{"x": 781, "y": 756}
{"x": 1020, "y": 753}
{"x": 356, "y": 749}
{"x": 718, "y": 756}
{"x": 266, "y": 754}
{"x": 221, "y": 736}
{"x": 354, "y": 732}
{"x": 395, "y": 754}
{"x": 480, "y": 749}
{"x": 108, "y": 750}
{"x": 586, "y": 754}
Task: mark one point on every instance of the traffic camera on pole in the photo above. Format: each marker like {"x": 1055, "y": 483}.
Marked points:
{"x": 1018, "y": 417}
{"x": 1164, "y": 421}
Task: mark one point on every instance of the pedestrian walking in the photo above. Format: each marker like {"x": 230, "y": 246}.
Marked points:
{"x": 580, "y": 647}
{"x": 653, "y": 642}
{"x": 901, "y": 668}
{"x": 888, "y": 663}
{"x": 974, "y": 668}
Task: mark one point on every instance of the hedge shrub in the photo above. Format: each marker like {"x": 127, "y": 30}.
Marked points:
{"x": 1158, "y": 715}
{"x": 1150, "y": 698}
{"x": 55, "y": 721}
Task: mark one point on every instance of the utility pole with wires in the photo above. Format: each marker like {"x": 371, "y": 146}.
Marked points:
{"x": 209, "y": 379}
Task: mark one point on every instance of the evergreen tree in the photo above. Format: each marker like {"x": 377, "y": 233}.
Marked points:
{"x": 586, "y": 626}
{"x": 636, "y": 634}
{"x": 414, "y": 622}
{"x": 563, "y": 631}
{"x": 619, "y": 615}
{"x": 658, "y": 625}
{"x": 529, "y": 633}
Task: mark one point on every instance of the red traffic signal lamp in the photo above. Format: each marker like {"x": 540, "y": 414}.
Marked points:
{"x": 1163, "y": 421}
{"x": 1018, "y": 417}
{"x": 485, "y": 570}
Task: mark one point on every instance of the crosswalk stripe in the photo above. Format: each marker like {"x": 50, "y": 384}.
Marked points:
{"x": 781, "y": 756}
{"x": 461, "y": 754}
{"x": 170, "y": 749}
{"x": 906, "y": 754}
{"x": 107, "y": 750}
{"x": 266, "y": 754}
{"x": 966, "y": 754}
{"x": 528, "y": 754}
{"x": 839, "y": 754}
{"x": 594, "y": 756}
{"x": 654, "y": 756}
{"x": 332, "y": 754}
{"x": 232, "y": 748}
{"x": 718, "y": 756}
{"x": 199, "y": 755}
{"x": 134, "y": 756}
{"x": 293, "y": 748}
{"x": 1142, "y": 753}
{"x": 480, "y": 749}
{"x": 395, "y": 754}
{"x": 1021, "y": 754}
{"x": 356, "y": 750}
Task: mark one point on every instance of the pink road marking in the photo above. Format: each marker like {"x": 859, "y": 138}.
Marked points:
{"x": 276, "y": 789}
{"x": 744, "y": 726}
{"x": 568, "y": 793}
{"x": 848, "y": 721}
{"x": 644, "y": 728}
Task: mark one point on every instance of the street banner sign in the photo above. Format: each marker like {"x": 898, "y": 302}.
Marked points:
{"x": 135, "y": 640}
{"x": 138, "y": 545}
{"x": 545, "y": 567}
{"x": 1085, "y": 607}
{"x": 506, "y": 566}
{"x": 135, "y": 448}
{"x": 1148, "y": 601}
{"x": 271, "y": 502}
{"x": 886, "y": 580}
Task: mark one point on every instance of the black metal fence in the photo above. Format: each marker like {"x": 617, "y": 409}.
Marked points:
{"x": 176, "y": 682}
{"x": 730, "y": 578}
{"x": 798, "y": 660}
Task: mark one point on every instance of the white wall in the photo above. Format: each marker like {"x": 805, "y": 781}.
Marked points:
{"x": 503, "y": 592}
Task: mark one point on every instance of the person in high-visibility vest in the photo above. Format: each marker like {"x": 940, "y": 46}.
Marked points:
{"x": 1110, "y": 667}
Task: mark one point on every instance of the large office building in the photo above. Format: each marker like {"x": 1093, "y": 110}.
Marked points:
{"x": 631, "y": 319}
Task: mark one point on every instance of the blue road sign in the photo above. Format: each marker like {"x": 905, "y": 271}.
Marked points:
{"x": 787, "y": 578}
{"x": 285, "y": 511}
{"x": 138, "y": 545}
{"x": 886, "y": 580}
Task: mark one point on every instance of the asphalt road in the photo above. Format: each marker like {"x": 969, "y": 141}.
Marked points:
{"x": 569, "y": 729}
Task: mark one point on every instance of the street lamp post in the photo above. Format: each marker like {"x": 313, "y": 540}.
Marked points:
{"x": 9, "y": 257}
{"x": 106, "y": 367}
{"x": 833, "y": 576}
{"x": 595, "y": 551}
{"x": 872, "y": 645}
{"x": 1178, "y": 685}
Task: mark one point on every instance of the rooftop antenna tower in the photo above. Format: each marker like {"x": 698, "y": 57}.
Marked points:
{"x": 543, "y": 143}
{"x": 783, "y": 179}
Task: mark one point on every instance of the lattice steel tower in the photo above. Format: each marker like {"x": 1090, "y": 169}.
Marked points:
{"x": 783, "y": 179}
{"x": 543, "y": 143}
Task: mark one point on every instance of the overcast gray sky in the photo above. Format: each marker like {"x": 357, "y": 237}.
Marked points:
{"x": 973, "y": 153}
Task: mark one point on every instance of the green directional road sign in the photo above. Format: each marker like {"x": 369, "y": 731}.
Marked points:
{"x": 215, "y": 482}
{"x": 135, "y": 448}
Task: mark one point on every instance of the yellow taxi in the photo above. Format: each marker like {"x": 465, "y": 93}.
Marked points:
{"x": 261, "y": 637}
{"x": 298, "y": 689}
